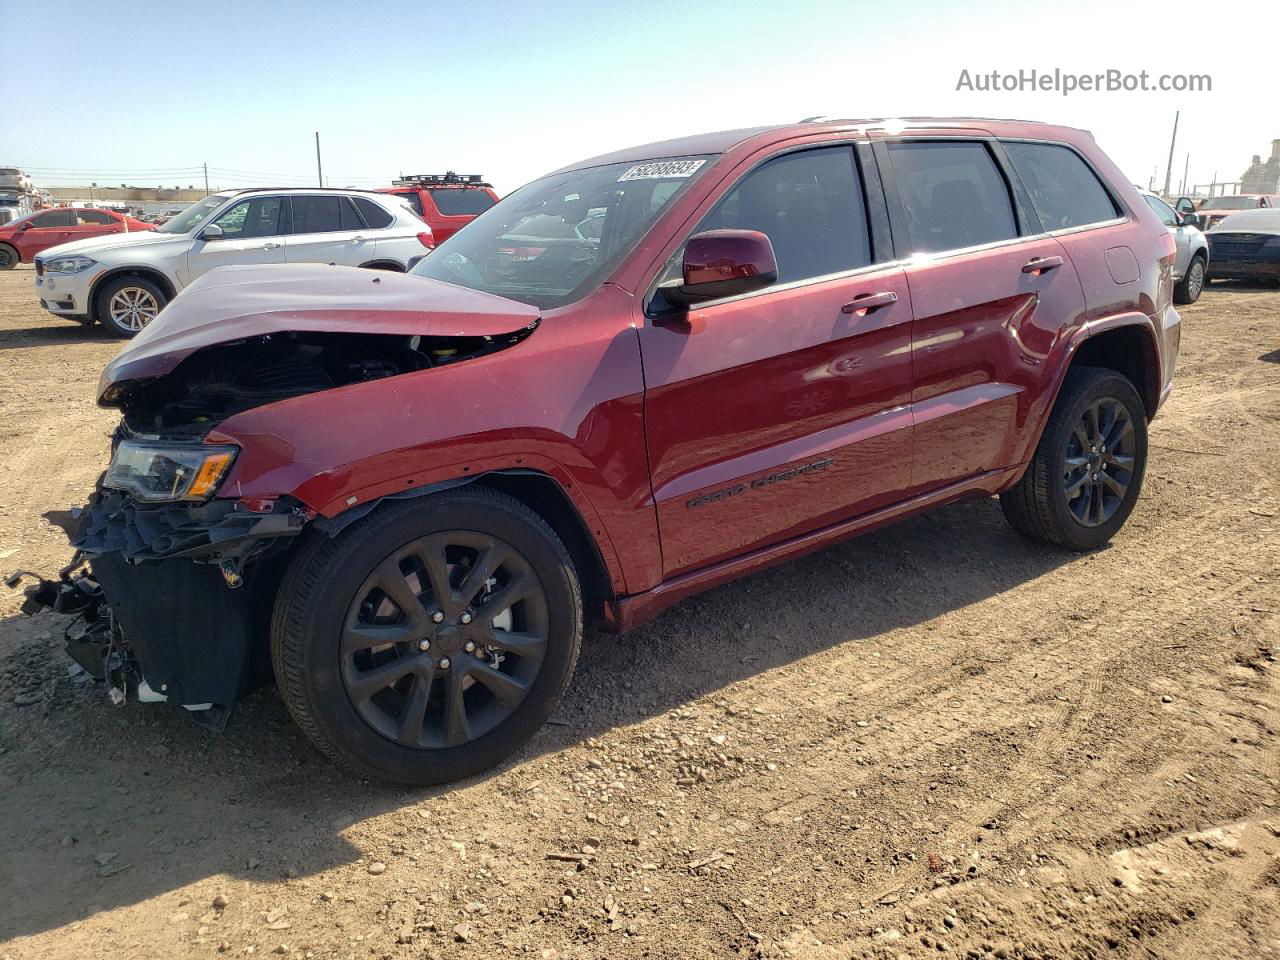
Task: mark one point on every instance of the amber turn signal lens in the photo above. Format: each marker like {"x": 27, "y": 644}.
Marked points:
{"x": 207, "y": 477}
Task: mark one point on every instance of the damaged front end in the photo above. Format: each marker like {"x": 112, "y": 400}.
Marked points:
{"x": 175, "y": 574}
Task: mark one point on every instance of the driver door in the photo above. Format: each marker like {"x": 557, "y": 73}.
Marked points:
{"x": 775, "y": 413}
{"x": 252, "y": 232}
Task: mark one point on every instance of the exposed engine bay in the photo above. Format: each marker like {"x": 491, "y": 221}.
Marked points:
{"x": 220, "y": 381}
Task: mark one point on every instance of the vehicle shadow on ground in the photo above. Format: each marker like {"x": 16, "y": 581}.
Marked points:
{"x": 104, "y": 806}
{"x": 19, "y": 338}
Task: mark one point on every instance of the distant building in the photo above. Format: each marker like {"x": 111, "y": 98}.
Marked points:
{"x": 1263, "y": 177}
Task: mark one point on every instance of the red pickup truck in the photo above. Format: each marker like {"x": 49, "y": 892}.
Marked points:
{"x": 22, "y": 239}
{"x": 447, "y": 201}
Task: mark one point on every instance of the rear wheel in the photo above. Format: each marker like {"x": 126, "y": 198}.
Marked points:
{"x": 1087, "y": 472}
{"x": 127, "y": 304}
{"x": 430, "y": 640}
{"x": 1191, "y": 286}
{"x": 8, "y": 257}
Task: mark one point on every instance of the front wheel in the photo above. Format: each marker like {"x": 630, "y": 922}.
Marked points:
{"x": 430, "y": 640}
{"x": 1190, "y": 287}
{"x": 127, "y": 304}
{"x": 1087, "y": 471}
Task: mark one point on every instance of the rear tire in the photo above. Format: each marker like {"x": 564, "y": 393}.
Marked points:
{"x": 377, "y": 678}
{"x": 9, "y": 257}
{"x": 1057, "y": 500}
{"x": 1190, "y": 287}
{"x": 126, "y": 304}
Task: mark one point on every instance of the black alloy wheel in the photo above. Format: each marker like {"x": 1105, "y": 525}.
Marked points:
{"x": 444, "y": 639}
{"x": 430, "y": 639}
{"x": 1099, "y": 462}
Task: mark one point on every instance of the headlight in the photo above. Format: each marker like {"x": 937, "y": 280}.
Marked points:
{"x": 160, "y": 471}
{"x": 68, "y": 264}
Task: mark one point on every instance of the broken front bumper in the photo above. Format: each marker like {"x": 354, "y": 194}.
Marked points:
{"x": 175, "y": 603}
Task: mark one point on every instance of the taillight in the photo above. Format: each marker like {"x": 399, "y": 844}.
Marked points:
{"x": 426, "y": 239}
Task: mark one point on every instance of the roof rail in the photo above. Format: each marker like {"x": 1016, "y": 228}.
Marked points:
{"x": 448, "y": 178}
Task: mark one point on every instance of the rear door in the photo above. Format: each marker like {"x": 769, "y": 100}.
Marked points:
{"x": 990, "y": 293}
{"x": 252, "y": 232}
{"x": 327, "y": 229}
{"x": 47, "y": 230}
{"x": 775, "y": 413}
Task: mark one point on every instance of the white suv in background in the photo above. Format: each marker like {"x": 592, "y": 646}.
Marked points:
{"x": 124, "y": 280}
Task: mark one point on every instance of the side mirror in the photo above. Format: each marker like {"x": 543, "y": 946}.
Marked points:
{"x": 211, "y": 232}
{"x": 722, "y": 263}
{"x": 1188, "y": 220}
{"x": 414, "y": 261}
{"x": 26, "y": 225}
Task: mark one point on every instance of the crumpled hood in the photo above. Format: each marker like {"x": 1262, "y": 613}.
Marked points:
{"x": 96, "y": 246}
{"x": 231, "y": 303}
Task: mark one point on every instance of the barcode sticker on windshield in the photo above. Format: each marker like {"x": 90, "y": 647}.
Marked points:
{"x": 662, "y": 170}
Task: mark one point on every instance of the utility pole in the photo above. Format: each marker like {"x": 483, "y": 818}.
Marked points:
{"x": 91, "y": 186}
{"x": 1182, "y": 192}
{"x": 1169, "y": 167}
{"x": 319, "y": 174}
{"x": 206, "y": 179}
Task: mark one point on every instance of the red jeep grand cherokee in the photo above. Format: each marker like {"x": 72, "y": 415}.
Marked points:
{"x": 414, "y": 490}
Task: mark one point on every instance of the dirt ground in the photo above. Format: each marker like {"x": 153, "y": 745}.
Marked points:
{"x": 934, "y": 740}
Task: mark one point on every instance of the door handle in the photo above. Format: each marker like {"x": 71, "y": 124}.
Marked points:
{"x": 1037, "y": 264}
{"x": 358, "y": 239}
{"x": 870, "y": 301}
{"x": 271, "y": 246}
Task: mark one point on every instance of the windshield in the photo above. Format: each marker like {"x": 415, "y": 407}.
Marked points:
{"x": 552, "y": 240}
{"x": 194, "y": 214}
{"x": 1231, "y": 203}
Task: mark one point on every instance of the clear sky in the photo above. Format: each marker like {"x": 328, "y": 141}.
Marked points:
{"x": 145, "y": 92}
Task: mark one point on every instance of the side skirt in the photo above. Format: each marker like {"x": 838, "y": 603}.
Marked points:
{"x": 627, "y": 613}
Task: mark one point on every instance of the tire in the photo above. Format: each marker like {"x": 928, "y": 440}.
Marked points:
{"x": 1040, "y": 506}
{"x": 1190, "y": 287}
{"x": 115, "y": 301}
{"x": 9, "y": 257}
{"x": 385, "y": 711}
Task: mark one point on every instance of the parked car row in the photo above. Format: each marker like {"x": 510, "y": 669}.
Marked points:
{"x": 630, "y": 380}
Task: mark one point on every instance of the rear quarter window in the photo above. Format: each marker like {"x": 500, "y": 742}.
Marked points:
{"x": 375, "y": 216}
{"x": 1064, "y": 191}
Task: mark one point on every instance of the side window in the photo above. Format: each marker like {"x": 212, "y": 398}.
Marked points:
{"x": 347, "y": 215}
{"x": 55, "y": 218}
{"x": 953, "y": 194}
{"x": 316, "y": 214}
{"x": 1161, "y": 210}
{"x": 1064, "y": 191}
{"x": 252, "y": 217}
{"x": 810, "y": 207}
{"x": 374, "y": 215}
{"x": 94, "y": 218}
{"x": 414, "y": 198}
{"x": 459, "y": 202}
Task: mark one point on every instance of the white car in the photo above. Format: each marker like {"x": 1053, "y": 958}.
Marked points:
{"x": 125, "y": 279}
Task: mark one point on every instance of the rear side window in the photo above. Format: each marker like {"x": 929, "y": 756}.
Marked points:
{"x": 347, "y": 215}
{"x": 55, "y": 218}
{"x": 810, "y": 207}
{"x": 460, "y": 203}
{"x": 316, "y": 214}
{"x": 1064, "y": 191}
{"x": 374, "y": 215}
{"x": 1161, "y": 210}
{"x": 95, "y": 217}
{"x": 953, "y": 194}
